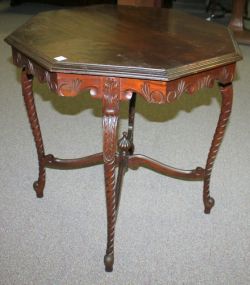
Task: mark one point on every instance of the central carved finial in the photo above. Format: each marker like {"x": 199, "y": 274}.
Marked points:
{"x": 124, "y": 143}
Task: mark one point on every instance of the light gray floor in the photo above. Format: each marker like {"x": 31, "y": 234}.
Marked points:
{"x": 162, "y": 235}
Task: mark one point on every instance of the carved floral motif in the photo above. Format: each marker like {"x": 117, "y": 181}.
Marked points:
{"x": 204, "y": 82}
{"x": 101, "y": 87}
{"x": 109, "y": 127}
{"x": 188, "y": 85}
{"x": 70, "y": 86}
{"x": 32, "y": 68}
{"x": 172, "y": 95}
{"x": 226, "y": 75}
{"x": 193, "y": 83}
{"x": 111, "y": 91}
{"x": 152, "y": 96}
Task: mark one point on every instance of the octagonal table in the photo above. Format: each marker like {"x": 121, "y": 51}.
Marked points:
{"x": 117, "y": 53}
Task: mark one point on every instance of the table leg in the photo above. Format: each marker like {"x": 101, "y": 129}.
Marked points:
{"x": 227, "y": 98}
{"x": 110, "y": 122}
{"x": 27, "y": 92}
{"x": 126, "y": 148}
{"x": 131, "y": 121}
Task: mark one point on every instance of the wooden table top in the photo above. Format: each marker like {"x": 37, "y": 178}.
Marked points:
{"x": 123, "y": 41}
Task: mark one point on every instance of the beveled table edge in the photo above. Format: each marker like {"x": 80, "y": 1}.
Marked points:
{"x": 161, "y": 74}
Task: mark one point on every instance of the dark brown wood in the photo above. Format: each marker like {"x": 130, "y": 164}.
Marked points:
{"x": 226, "y": 106}
{"x": 125, "y": 41}
{"x": 27, "y": 92}
{"x": 137, "y": 160}
{"x": 141, "y": 3}
{"x": 159, "y": 92}
{"x": 64, "y": 2}
{"x": 124, "y": 147}
{"x": 111, "y": 90}
{"x": 87, "y": 161}
{"x": 131, "y": 122}
{"x": 116, "y": 60}
{"x": 236, "y": 24}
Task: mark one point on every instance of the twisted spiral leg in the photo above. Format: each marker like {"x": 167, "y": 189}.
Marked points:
{"x": 227, "y": 98}
{"x": 109, "y": 169}
{"x": 34, "y": 123}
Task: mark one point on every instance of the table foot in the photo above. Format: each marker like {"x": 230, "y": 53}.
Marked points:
{"x": 38, "y": 187}
{"x": 109, "y": 262}
{"x": 209, "y": 205}
{"x": 226, "y": 106}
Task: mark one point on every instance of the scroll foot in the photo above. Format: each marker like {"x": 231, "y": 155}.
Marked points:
{"x": 38, "y": 187}
{"x": 209, "y": 205}
{"x": 109, "y": 261}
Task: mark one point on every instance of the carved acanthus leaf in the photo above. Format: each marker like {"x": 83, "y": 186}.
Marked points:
{"x": 36, "y": 70}
{"x": 111, "y": 94}
{"x": 111, "y": 99}
{"x": 109, "y": 127}
{"x": 226, "y": 75}
{"x": 201, "y": 82}
{"x": 174, "y": 94}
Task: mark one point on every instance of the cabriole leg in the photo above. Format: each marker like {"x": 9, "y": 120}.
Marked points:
{"x": 27, "y": 92}
{"x": 110, "y": 122}
{"x": 226, "y": 106}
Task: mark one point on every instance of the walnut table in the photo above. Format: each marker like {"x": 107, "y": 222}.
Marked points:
{"x": 118, "y": 52}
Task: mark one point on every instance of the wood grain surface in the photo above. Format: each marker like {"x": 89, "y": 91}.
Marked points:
{"x": 125, "y": 41}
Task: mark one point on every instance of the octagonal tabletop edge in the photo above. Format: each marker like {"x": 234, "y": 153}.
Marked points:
{"x": 124, "y": 41}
